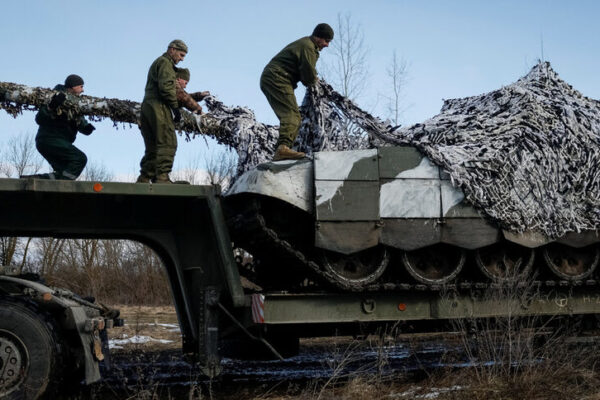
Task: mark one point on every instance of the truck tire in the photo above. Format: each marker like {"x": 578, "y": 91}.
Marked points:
{"x": 29, "y": 351}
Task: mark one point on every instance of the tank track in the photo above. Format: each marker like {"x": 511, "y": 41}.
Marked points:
{"x": 253, "y": 224}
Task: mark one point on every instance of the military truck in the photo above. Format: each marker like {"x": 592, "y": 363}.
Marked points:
{"x": 346, "y": 243}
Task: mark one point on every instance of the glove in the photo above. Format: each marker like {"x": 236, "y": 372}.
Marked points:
{"x": 176, "y": 115}
{"x": 89, "y": 128}
{"x": 57, "y": 100}
{"x": 199, "y": 96}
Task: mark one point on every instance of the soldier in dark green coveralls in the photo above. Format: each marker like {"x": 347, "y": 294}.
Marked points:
{"x": 159, "y": 112}
{"x": 58, "y": 128}
{"x": 295, "y": 63}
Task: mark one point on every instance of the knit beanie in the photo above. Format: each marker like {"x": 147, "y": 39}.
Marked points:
{"x": 183, "y": 73}
{"x": 73, "y": 80}
{"x": 179, "y": 45}
{"x": 323, "y": 31}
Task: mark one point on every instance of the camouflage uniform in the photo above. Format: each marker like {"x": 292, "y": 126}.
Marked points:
{"x": 158, "y": 129}
{"x": 55, "y": 137}
{"x": 296, "y": 62}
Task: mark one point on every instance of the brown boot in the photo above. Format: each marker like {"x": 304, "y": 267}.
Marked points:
{"x": 162, "y": 178}
{"x": 143, "y": 178}
{"x": 285, "y": 153}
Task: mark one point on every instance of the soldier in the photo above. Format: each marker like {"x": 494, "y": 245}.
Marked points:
{"x": 160, "y": 110}
{"x": 59, "y": 124}
{"x": 296, "y": 62}
{"x": 185, "y": 99}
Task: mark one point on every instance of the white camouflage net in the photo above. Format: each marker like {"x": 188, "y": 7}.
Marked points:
{"x": 527, "y": 154}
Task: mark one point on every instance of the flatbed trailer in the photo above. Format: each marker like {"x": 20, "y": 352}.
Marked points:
{"x": 186, "y": 226}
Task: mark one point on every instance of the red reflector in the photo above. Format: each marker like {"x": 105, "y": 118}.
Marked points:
{"x": 98, "y": 187}
{"x": 402, "y": 307}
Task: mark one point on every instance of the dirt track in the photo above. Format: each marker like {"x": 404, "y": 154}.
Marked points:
{"x": 147, "y": 360}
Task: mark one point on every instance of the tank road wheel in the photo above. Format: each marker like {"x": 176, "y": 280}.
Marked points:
{"x": 571, "y": 263}
{"x": 505, "y": 262}
{"x": 29, "y": 353}
{"x": 434, "y": 265}
{"x": 358, "y": 269}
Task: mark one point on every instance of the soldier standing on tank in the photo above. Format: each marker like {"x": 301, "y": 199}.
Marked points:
{"x": 296, "y": 62}
{"x": 160, "y": 112}
{"x": 59, "y": 124}
{"x": 185, "y": 99}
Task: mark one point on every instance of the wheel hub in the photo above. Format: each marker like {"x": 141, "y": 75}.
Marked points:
{"x": 361, "y": 268}
{"x": 13, "y": 362}
{"x": 434, "y": 265}
{"x": 571, "y": 263}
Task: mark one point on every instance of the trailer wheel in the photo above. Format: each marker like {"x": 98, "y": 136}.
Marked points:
{"x": 29, "y": 352}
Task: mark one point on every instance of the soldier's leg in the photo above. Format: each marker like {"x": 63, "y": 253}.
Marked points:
{"x": 66, "y": 160}
{"x": 282, "y": 100}
{"x": 166, "y": 143}
{"x": 148, "y": 123}
{"x": 75, "y": 162}
{"x": 51, "y": 149}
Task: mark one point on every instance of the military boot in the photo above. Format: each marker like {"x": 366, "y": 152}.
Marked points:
{"x": 164, "y": 178}
{"x": 143, "y": 178}
{"x": 51, "y": 176}
{"x": 285, "y": 153}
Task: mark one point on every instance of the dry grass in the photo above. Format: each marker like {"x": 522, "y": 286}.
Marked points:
{"x": 507, "y": 361}
{"x": 159, "y": 323}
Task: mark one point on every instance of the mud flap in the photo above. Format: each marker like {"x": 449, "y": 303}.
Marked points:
{"x": 105, "y": 350}
{"x": 208, "y": 334}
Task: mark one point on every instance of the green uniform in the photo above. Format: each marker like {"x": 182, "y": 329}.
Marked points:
{"x": 55, "y": 137}
{"x": 295, "y": 63}
{"x": 157, "y": 124}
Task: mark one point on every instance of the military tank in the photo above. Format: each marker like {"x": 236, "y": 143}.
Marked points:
{"x": 386, "y": 219}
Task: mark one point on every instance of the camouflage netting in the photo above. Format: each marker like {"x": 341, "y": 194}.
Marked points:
{"x": 526, "y": 154}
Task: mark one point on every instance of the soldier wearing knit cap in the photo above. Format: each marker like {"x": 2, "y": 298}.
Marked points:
{"x": 160, "y": 112}
{"x": 185, "y": 99}
{"x": 178, "y": 45}
{"x": 73, "y": 80}
{"x": 59, "y": 123}
{"x": 295, "y": 63}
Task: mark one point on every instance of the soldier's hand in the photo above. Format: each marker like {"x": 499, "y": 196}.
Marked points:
{"x": 57, "y": 100}
{"x": 89, "y": 128}
{"x": 198, "y": 96}
{"x": 176, "y": 115}
{"x": 198, "y": 111}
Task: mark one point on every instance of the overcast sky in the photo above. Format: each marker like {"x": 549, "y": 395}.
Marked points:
{"x": 453, "y": 49}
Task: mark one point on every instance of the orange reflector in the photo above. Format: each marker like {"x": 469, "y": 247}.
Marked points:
{"x": 98, "y": 187}
{"x": 47, "y": 296}
{"x": 402, "y": 307}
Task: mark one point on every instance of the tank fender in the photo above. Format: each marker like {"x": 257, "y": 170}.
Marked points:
{"x": 289, "y": 180}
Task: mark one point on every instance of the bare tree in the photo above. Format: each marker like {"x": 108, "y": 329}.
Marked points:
{"x": 50, "y": 254}
{"x": 221, "y": 168}
{"x": 214, "y": 168}
{"x": 19, "y": 157}
{"x": 348, "y": 71}
{"x": 192, "y": 172}
{"x": 96, "y": 172}
{"x": 22, "y": 156}
{"x": 397, "y": 73}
